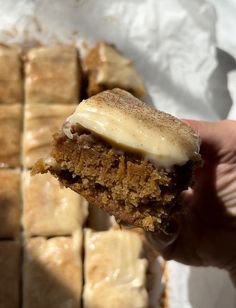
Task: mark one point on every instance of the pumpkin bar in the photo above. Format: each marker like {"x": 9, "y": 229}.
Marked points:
{"x": 11, "y": 81}
{"x": 125, "y": 157}
{"x": 50, "y": 210}
{"x": 115, "y": 270}
{"x": 52, "y": 273}
{"x": 10, "y": 137}
{"x": 52, "y": 75}
{"x": 107, "y": 68}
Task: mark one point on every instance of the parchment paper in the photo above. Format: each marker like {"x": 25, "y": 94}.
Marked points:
{"x": 173, "y": 46}
{"x": 172, "y": 42}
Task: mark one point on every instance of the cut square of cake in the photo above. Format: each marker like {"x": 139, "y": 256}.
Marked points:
{"x": 48, "y": 209}
{"x": 107, "y": 68}
{"x": 52, "y": 75}
{"x": 11, "y": 81}
{"x": 10, "y": 200}
{"x": 10, "y": 137}
{"x": 9, "y": 274}
{"x": 52, "y": 275}
{"x": 40, "y": 123}
{"x": 115, "y": 270}
{"x": 125, "y": 157}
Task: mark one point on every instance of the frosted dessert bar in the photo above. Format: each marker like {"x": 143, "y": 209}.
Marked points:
{"x": 115, "y": 270}
{"x": 52, "y": 75}
{"x": 107, "y": 68}
{"x": 50, "y": 210}
{"x": 125, "y": 157}
{"x": 11, "y": 81}
{"x": 10, "y": 137}
{"x": 52, "y": 272}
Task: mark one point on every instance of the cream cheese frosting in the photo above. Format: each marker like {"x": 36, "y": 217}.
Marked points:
{"x": 122, "y": 119}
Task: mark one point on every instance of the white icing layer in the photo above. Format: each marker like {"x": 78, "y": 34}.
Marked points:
{"x": 160, "y": 143}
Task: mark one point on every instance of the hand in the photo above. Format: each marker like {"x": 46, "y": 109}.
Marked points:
{"x": 206, "y": 230}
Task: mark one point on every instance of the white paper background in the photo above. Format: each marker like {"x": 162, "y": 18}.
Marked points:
{"x": 226, "y": 40}
{"x": 173, "y": 45}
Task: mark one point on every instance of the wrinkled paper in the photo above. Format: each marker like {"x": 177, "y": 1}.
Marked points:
{"x": 173, "y": 46}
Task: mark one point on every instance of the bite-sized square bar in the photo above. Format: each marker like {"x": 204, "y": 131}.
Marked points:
{"x": 107, "y": 68}
{"x": 10, "y": 137}
{"x": 11, "y": 86}
{"x": 125, "y": 157}
{"x": 41, "y": 122}
{"x": 9, "y": 274}
{"x": 115, "y": 271}
{"x": 53, "y": 75}
{"x": 49, "y": 209}
{"x": 52, "y": 272}
{"x": 9, "y": 203}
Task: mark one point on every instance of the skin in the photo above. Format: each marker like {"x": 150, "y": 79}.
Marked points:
{"x": 204, "y": 233}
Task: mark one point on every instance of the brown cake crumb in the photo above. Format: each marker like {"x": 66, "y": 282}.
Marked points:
{"x": 123, "y": 184}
